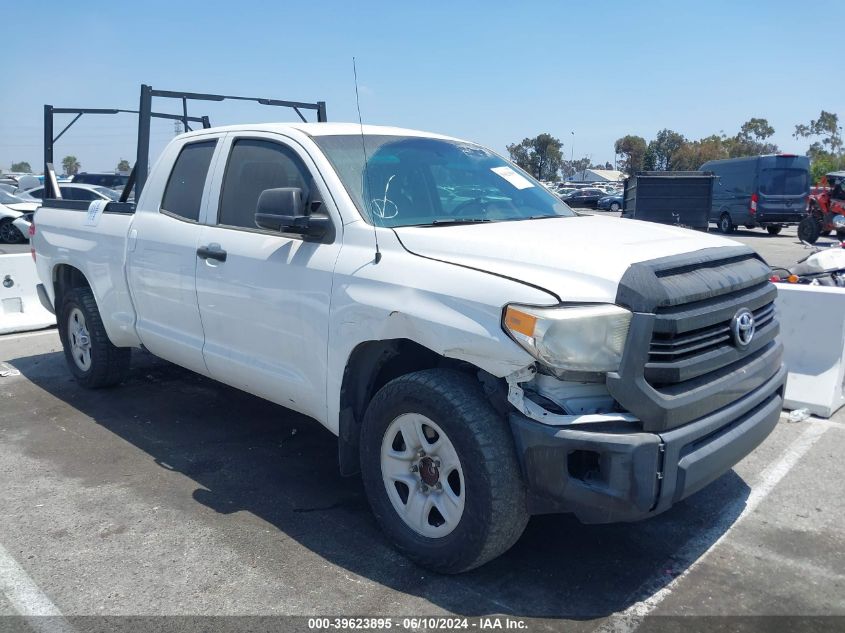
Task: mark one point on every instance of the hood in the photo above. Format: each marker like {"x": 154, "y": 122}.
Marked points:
{"x": 575, "y": 258}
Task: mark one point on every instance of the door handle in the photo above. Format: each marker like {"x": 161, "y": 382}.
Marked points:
{"x": 212, "y": 251}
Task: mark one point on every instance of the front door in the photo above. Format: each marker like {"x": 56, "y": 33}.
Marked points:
{"x": 265, "y": 307}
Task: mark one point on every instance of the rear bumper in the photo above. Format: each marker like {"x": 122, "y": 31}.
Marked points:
{"x": 610, "y": 473}
{"x": 780, "y": 217}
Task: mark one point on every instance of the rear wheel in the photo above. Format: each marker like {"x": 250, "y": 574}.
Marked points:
{"x": 440, "y": 471}
{"x": 725, "y": 224}
{"x": 90, "y": 355}
{"x": 9, "y": 233}
{"x": 773, "y": 229}
{"x": 809, "y": 230}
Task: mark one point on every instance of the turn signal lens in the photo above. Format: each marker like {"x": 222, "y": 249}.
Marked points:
{"x": 519, "y": 321}
{"x": 793, "y": 279}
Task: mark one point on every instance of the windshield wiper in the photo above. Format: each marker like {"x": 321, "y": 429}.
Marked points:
{"x": 457, "y": 221}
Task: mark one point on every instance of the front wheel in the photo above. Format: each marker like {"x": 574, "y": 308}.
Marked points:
{"x": 809, "y": 230}
{"x": 9, "y": 233}
{"x": 614, "y": 206}
{"x": 773, "y": 229}
{"x": 90, "y": 355}
{"x": 440, "y": 471}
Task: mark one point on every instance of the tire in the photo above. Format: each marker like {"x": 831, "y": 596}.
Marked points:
{"x": 9, "y": 233}
{"x": 614, "y": 206}
{"x": 773, "y": 229}
{"x": 482, "y": 493}
{"x": 809, "y": 230}
{"x": 89, "y": 353}
{"x": 840, "y": 235}
{"x": 725, "y": 223}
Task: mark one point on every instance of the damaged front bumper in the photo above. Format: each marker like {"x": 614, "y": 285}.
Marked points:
{"x": 606, "y": 471}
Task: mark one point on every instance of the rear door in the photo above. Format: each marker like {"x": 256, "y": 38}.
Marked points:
{"x": 265, "y": 308}
{"x": 162, "y": 257}
{"x": 783, "y": 185}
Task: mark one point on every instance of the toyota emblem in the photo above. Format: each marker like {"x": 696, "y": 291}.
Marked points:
{"x": 742, "y": 328}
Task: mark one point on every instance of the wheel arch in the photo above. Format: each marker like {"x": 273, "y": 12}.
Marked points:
{"x": 370, "y": 366}
{"x": 67, "y": 277}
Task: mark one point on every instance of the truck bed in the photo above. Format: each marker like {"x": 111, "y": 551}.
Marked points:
{"x": 66, "y": 235}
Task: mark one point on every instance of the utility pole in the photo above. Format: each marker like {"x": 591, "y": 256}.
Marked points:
{"x": 572, "y": 154}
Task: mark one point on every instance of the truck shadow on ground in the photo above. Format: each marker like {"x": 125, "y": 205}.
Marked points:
{"x": 246, "y": 454}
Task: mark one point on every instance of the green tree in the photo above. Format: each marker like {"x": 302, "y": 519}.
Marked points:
{"x": 123, "y": 165}
{"x": 692, "y": 155}
{"x": 71, "y": 165}
{"x": 751, "y": 139}
{"x": 633, "y": 149}
{"x": 825, "y": 163}
{"x": 541, "y": 156}
{"x": 22, "y": 167}
{"x": 755, "y": 129}
{"x": 827, "y": 127}
{"x": 660, "y": 150}
{"x": 571, "y": 167}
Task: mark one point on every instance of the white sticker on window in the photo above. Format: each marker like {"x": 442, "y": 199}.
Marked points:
{"x": 517, "y": 180}
{"x": 95, "y": 210}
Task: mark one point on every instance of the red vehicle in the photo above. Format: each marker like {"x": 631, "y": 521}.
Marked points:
{"x": 826, "y": 209}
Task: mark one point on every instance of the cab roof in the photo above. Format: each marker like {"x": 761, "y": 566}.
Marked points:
{"x": 324, "y": 129}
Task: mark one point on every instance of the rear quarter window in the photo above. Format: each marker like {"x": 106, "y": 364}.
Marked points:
{"x": 183, "y": 194}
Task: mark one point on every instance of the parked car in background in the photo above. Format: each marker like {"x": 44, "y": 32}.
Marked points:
{"x": 75, "y": 191}
{"x": 767, "y": 191}
{"x": 102, "y": 179}
{"x": 612, "y": 202}
{"x": 11, "y": 208}
{"x": 587, "y": 197}
{"x": 23, "y": 223}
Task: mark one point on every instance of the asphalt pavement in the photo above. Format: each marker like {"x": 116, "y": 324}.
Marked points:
{"x": 175, "y": 495}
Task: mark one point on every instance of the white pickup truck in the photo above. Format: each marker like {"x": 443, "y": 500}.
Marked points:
{"x": 482, "y": 352}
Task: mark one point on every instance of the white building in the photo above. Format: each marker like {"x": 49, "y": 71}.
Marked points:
{"x": 597, "y": 175}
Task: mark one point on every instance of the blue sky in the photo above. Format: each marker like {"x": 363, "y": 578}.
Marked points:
{"x": 493, "y": 72}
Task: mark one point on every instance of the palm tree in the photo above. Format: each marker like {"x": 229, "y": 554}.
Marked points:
{"x": 71, "y": 165}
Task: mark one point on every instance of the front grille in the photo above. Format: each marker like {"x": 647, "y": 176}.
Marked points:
{"x": 687, "y": 343}
{"x": 682, "y": 362}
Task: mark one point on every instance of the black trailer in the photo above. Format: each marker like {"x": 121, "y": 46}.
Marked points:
{"x": 682, "y": 198}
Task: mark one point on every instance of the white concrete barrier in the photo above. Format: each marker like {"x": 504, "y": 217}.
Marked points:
{"x": 20, "y": 308}
{"x": 812, "y": 325}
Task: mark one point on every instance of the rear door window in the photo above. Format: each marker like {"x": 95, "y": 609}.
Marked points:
{"x": 777, "y": 181}
{"x": 183, "y": 194}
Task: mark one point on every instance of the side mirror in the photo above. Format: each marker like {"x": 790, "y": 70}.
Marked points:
{"x": 278, "y": 208}
{"x": 284, "y": 210}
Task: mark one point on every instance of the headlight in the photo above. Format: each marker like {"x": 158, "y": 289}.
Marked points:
{"x": 575, "y": 338}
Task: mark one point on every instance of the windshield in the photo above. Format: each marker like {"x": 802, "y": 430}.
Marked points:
{"x": 784, "y": 182}
{"x": 424, "y": 181}
{"x": 7, "y": 198}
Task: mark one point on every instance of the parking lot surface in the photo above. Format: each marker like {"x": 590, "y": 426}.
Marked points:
{"x": 173, "y": 494}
